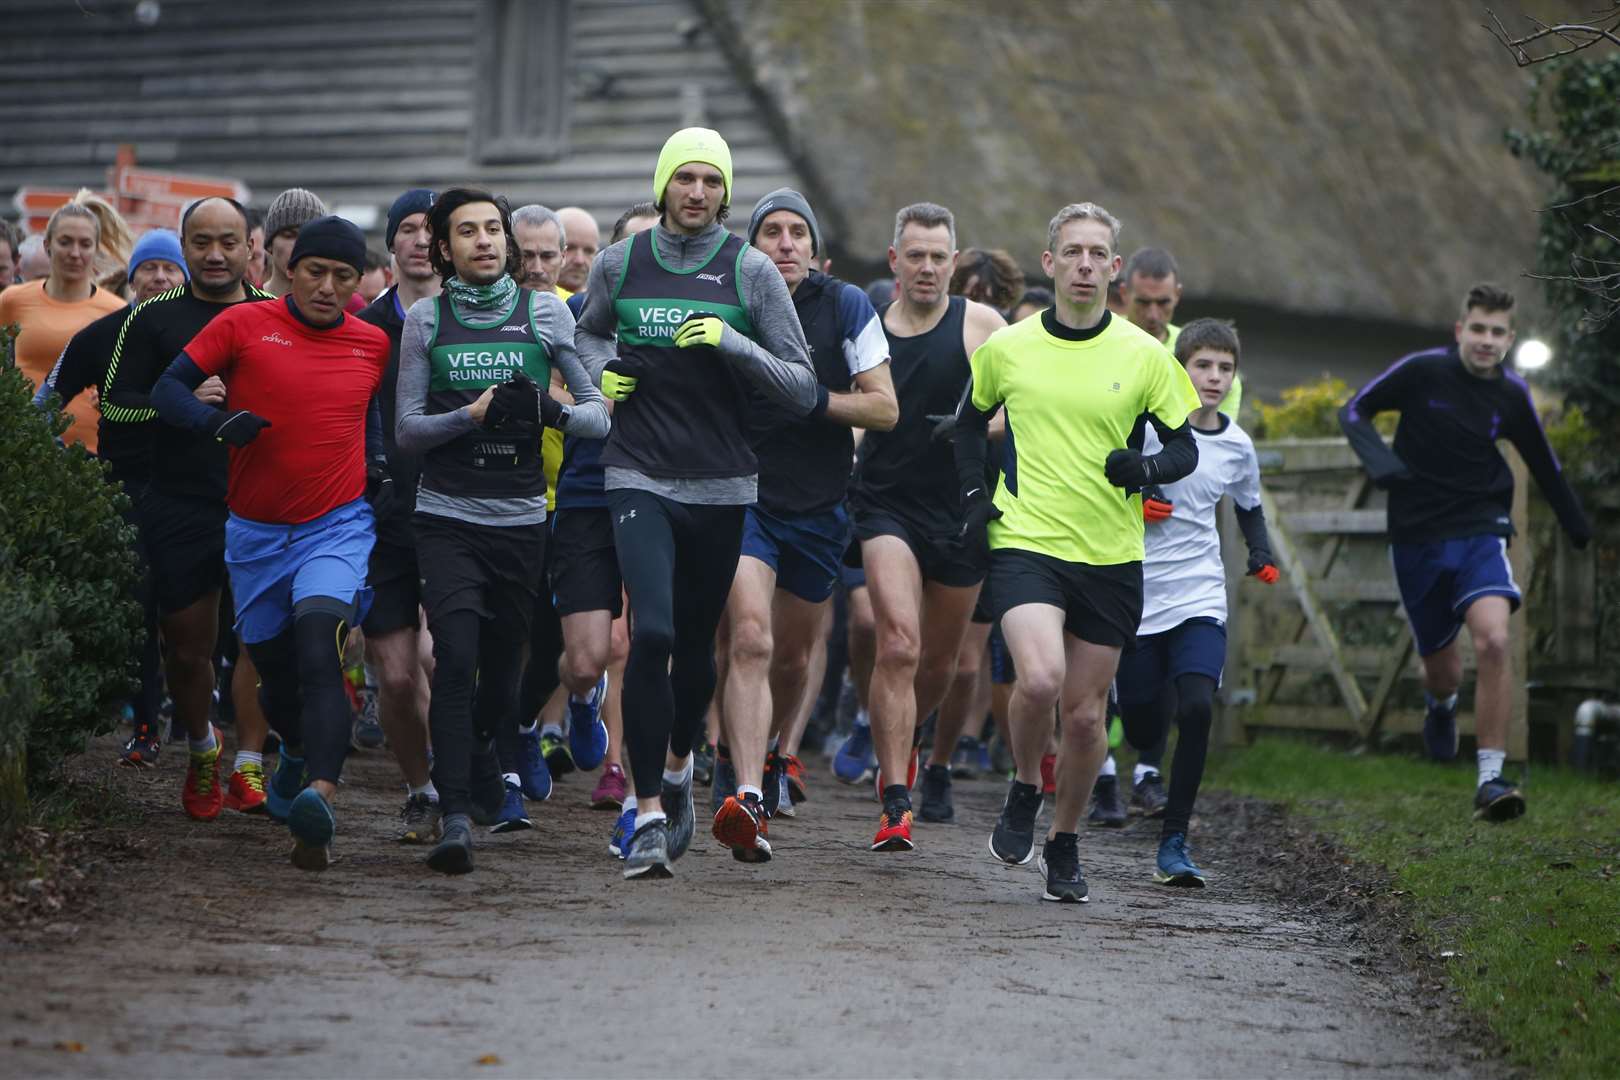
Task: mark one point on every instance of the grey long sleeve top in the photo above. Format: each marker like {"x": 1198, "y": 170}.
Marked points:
{"x": 417, "y": 432}
{"x": 777, "y": 363}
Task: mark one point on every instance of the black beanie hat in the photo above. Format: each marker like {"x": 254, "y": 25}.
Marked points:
{"x": 331, "y": 237}
{"x": 414, "y": 201}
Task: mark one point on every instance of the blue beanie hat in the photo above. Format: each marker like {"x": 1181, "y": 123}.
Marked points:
{"x": 158, "y": 244}
{"x": 330, "y": 237}
{"x": 415, "y": 201}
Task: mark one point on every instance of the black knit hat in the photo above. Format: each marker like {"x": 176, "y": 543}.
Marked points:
{"x": 331, "y": 237}
{"x": 414, "y": 201}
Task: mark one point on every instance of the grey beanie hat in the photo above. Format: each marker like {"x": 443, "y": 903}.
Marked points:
{"x": 785, "y": 199}
{"x": 292, "y": 209}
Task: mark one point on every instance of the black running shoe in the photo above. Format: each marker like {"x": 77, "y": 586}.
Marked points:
{"x": 648, "y": 854}
{"x": 1148, "y": 797}
{"x": 488, "y": 788}
{"x": 1106, "y": 808}
{"x": 1498, "y": 800}
{"x": 453, "y": 853}
{"x": 1060, "y": 862}
{"x": 677, "y": 802}
{"x": 936, "y": 795}
{"x": 703, "y": 764}
{"x": 1013, "y": 841}
{"x": 724, "y": 781}
{"x": 772, "y": 784}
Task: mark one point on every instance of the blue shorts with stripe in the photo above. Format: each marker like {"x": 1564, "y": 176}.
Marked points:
{"x": 1440, "y": 579}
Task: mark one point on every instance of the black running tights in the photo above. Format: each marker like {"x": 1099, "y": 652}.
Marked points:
{"x": 677, "y": 561}
{"x": 477, "y": 664}
{"x": 540, "y": 675}
{"x": 1189, "y": 702}
{"x": 301, "y": 690}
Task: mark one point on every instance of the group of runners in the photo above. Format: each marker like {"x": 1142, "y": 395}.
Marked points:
{"x": 589, "y": 509}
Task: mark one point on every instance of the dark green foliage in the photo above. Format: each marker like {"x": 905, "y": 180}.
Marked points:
{"x": 1577, "y": 102}
{"x": 69, "y": 622}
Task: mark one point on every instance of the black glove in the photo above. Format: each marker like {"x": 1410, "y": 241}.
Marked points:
{"x": 944, "y": 426}
{"x": 551, "y": 410}
{"x": 516, "y": 403}
{"x": 240, "y": 428}
{"x": 379, "y": 487}
{"x": 1130, "y": 470}
{"x": 978, "y": 511}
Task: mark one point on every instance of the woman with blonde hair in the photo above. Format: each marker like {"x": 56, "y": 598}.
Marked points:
{"x": 117, "y": 241}
{"x": 48, "y": 312}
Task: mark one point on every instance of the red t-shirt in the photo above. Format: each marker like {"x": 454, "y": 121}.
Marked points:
{"x": 314, "y": 386}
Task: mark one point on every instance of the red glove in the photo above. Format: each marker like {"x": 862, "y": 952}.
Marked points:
{"x": 1156, "y": 506}
{"x": 1261, "y": 566}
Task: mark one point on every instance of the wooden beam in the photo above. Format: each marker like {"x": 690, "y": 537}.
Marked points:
{"x": 1306, "y": 455}
{"x": 1368, "y": 590}
{"x": 1519, "y": 558}
{"x": 1357, "y": 522}
{"x": 1395, "y": 662}
{"x": 1332, "y": 718}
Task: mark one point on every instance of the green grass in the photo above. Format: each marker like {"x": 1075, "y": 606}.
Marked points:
{"x": 1530, "y": 909}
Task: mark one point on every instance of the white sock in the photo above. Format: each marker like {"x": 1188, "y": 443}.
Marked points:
{"x": 426, "y": 789}
{"x": 644, "y": 819}
{"x": 682, "y": 775}
{"x": 775, "y": 739}
{"x": 203, "y": 745}
{"x": 247, "y": 757}
{"x": 862, "y": 718}
{"x": 552, "y": 729}
{"x": 1445, "y": 704}
{"x": 527, "y": 729}
{"x": 1143, "y": 770}
{"x": 1108, "y": 768}
{"x": 744, "y": 790}
{"x": 1490, "y": 764}
{"x": 371, "y": 678}
{"x": 629, "y": 803}
{"x": 512, "y": 778}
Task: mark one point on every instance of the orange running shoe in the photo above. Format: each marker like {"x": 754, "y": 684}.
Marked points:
{"x": 202, "y": 795}
{"x": 245, "y": 792}
{"x": 1049, "y": 774}
{"x": 798, "y": 791}
{"x": 911, "y": 775}
{"x": 894, "y": 829}
{"x": 741, "y": 825}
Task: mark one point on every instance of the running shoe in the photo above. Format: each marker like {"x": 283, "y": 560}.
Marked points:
{"x": 1013, "y": 841}
{"x": 772, "y": 785}
{"x": 797, "y": 779}
{"x": 982, "y": 765}
{"x": 559, "y": 759}
{"x": 285, "y": 784}
{"x": 453, "y": 853}
{"x": 487, "y": 786}
{"x": 623, "y": 828}
{"x": 534, "y": 776}
{"x": 742, "y": 825}
{"x": 419, "y": 821}
{"x": 964, "y": 760}
{"x": 244, "y": 793}
{"x": 141, "y": 749}
{"x": 681, "y": 818}
{"x": 1060, "y": 862}
{"x": 1440, "y": 733}
{"x": 611, "y": 789}
{"x": 855, "y": 760}
{"x": 312, "y": 824}
{"x": 936, "y": 795}
{"x": 203, "y": 796}
{"x": 1107, "y": 810}
{"x": 911, "y": 774}
{"x": 784, "y": 797}
{"x": 587, "y": 735}
{"x": 894, "y": 827}
{"x": 725, "y": 780}
{"x": 1175, "y": 865}
{"x": 513, "y": 818}
{"x": 366, "y": 732}
{"x": 648, "y": 856}
{"x": 1048, "y": 774}
{"x": 703, "y": 755}
{"x": 1498, "y": 800}
{"x": 1001, "y": 758}
{"x": 1148, "y": 797}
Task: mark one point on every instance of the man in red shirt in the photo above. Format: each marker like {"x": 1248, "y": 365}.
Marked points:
{"x": 300, "y": 419}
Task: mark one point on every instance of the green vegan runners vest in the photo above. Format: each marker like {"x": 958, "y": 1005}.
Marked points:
{"x": 687, "y": 416}
{"x": 464, "y": 361}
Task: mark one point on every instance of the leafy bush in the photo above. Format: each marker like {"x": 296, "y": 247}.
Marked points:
{"x": 1310, "y": 411}
{"x": 68, "y": 618}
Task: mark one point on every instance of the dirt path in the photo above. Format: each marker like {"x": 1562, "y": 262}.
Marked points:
{"x": 210, "y": 955}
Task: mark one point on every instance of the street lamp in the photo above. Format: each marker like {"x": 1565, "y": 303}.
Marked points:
{"x": 1533, "y": 355}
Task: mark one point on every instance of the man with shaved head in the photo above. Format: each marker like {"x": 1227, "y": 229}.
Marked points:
{"x": 582, "y": 239}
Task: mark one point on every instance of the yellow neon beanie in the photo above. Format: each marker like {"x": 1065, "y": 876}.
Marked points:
{"x": 692, "y": 144}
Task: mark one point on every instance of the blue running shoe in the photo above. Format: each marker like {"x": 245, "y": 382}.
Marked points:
{"x": 534, "y": 775}
{"x": 285, "y": 784}
{"x": 1440, "y": 732}
{"x": 512, "y": 818}
{"x": 312, "y": 825}
{"x": 587, "y": 735}
{"x": 623, "y": 829}
{"x": 725, "y": 781}
{"x": 965, "y": 758}
{"x": 856, "y": 760}
{"x": 1175, "y": 865}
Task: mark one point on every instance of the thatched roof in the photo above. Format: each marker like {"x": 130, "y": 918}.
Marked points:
{"x": 1334, "y": 156}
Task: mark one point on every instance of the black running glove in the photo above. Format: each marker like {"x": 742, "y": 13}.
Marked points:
{"x": 240, "y": 428}
{"x": 1130, "y": 469}
{"x": 978, "y": 511}
{"x": 379, "y": 487}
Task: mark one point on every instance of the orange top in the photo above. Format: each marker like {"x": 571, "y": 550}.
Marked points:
{"x": 46, "y": 326}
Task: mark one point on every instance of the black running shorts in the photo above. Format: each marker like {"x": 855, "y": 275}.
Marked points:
{"x": 183, "y": 539}
{"x": 584, "y": 567}
{"x": 1101, "y": 604}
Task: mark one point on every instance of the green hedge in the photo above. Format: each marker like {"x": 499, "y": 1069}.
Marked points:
{"x": 68, "y": 618}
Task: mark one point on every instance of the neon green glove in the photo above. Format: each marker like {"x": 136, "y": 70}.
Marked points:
{"x": 617, "y": 387}
{"x": 700, "y": 330}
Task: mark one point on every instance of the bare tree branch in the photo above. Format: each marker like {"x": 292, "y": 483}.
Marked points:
{"x": 1574, "y": 36}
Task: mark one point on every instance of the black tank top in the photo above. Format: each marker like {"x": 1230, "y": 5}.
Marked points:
{"x": 907, "y": 469}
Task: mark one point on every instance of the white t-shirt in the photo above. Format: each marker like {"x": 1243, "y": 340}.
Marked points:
{"x": 1182, "y": 574}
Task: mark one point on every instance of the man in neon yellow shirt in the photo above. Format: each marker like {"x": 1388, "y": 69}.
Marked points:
{"x": 1151, "y": 292}
{"x": 1065, "y": 540}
